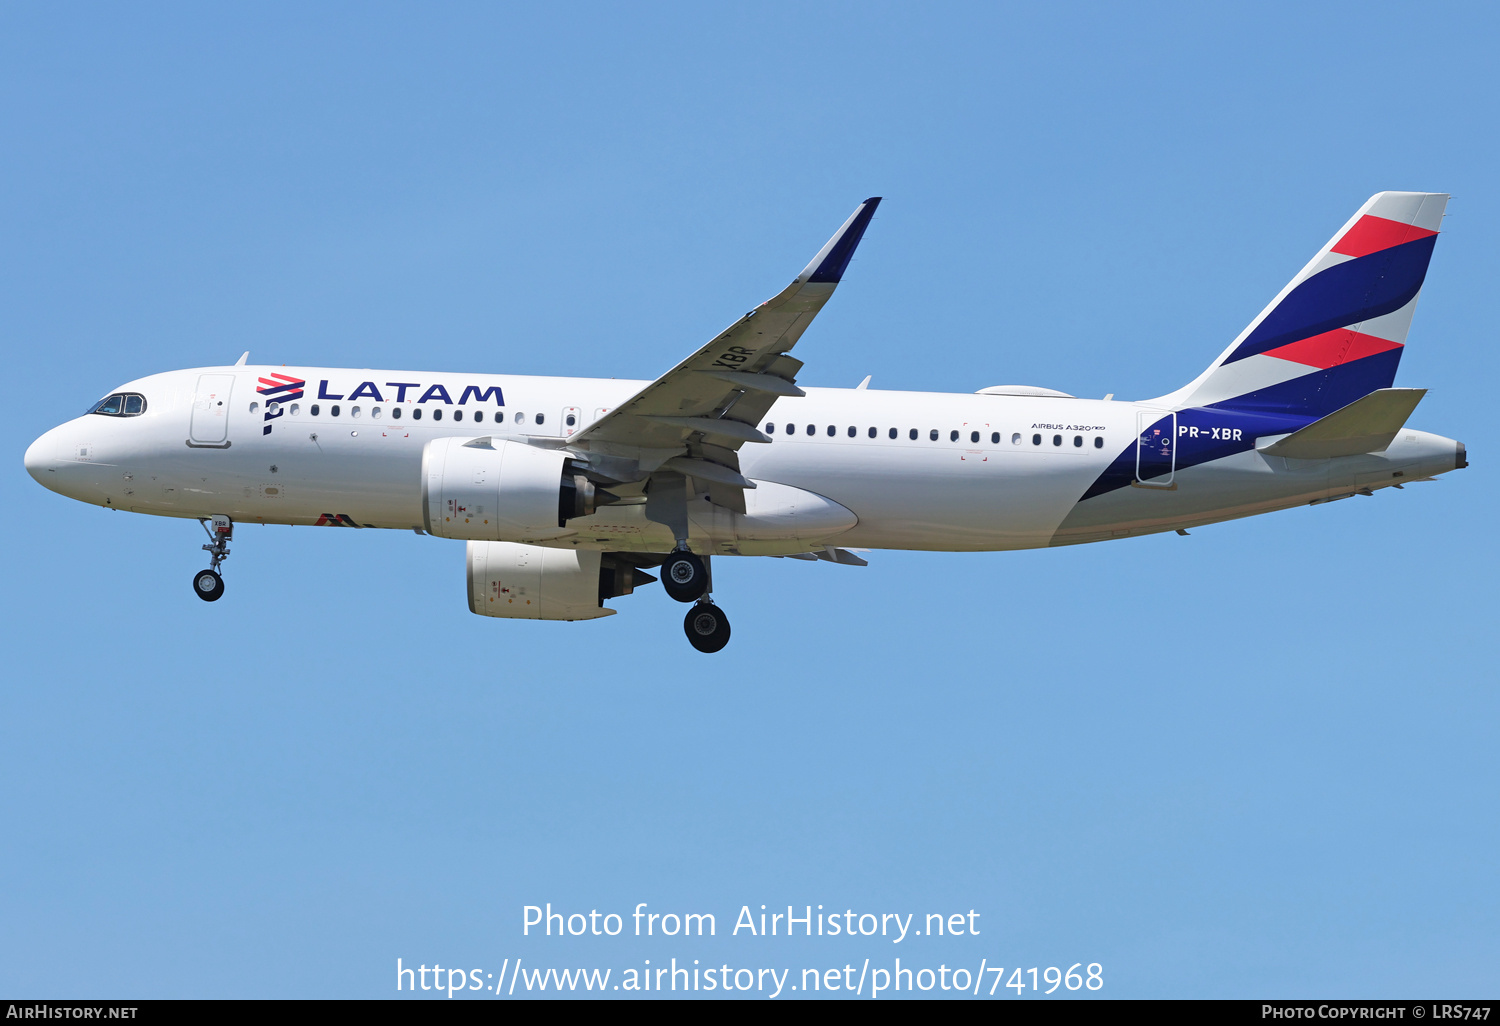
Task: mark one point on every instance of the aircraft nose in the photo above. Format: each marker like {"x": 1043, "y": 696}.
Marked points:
{"x": 41, "y": 457}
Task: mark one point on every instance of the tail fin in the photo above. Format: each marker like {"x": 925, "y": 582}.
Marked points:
{"x": 1335, "y": 333}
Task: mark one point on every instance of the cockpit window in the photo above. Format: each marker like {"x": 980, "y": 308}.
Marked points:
{"x": 121, "y": 404}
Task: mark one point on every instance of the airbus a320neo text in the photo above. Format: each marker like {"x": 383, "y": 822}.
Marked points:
{"x": 570, "y": 492}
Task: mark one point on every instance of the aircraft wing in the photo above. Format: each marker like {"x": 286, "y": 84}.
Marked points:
{"x": 708, "y": 406}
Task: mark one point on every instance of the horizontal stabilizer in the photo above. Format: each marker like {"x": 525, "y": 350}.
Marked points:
{"x": 1365, "y": 425}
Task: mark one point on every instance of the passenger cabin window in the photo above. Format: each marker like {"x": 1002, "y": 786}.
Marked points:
{"x": 256, "y": 406}
{"x": 812, "y": 429}
{"x": 458, "y": 414}
{"x": 1036, "y": 439}
{"x": 994, "y": 438}
{"x": 478, "y": 416}
{"x": 375, "y": 412}
{"x": 932, "y": 435}
{"x": 893, "y": 432}
{"x": 1015, "y": 439}
{"x": 122, "y": 404}
{"x": 852, "y": 431}
{"x": 770, "y": 428}
{"x": 913, "y": 434}
{"x": 1078, "y": 441}
{"x": 437, "y": 414}
{"x": 313, "y": 411}
{"x": 1057, "y": 439}
{"x": 953, "y": 436}
{"x": 873, "y": 432}
{"x": 416, "y": 414}
{"x": 572, "y": 420}
{"x": 296, "y": 409}
{"x": 1098, "y": 441}
{"x": 541, "y": 418}
{"x": 395, "y": 413}
{"x": 333, "y": 411}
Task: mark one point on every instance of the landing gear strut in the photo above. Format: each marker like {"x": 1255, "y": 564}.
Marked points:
{"x": 706, "y": 625}
{"x": 207, "y": 584}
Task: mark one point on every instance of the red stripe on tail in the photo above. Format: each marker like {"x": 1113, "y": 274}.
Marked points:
{"x": 1332, "y": 348}
{"x": 1371, "y": 234}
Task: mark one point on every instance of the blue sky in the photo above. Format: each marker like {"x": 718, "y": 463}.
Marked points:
{"x": 279, "y": 794}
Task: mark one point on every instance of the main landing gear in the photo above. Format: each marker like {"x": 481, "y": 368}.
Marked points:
{"x": 706, "y": 625}
{"x": 207, "y": 584}
{"x": 686, "y": 578}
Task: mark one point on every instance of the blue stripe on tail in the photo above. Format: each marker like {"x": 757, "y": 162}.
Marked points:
{"x": 1320, "y": 392}
{"x": 1356, "y": 290}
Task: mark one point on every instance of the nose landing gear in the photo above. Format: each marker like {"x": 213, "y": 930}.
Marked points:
{"x": 207, "y": 584}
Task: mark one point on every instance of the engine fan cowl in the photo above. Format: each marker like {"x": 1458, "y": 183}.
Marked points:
{"x": 487, "y": 489}
{"x": 533, "y": 582}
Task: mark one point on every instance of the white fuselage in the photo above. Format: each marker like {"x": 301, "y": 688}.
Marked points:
{"x": 349, "y": 452}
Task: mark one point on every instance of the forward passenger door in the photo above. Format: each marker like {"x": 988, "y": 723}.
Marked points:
{"x": 210, "y": 420}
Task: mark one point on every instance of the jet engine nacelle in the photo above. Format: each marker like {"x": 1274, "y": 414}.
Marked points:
{"x": 534, "y": 582}
{"x": 492, "y": 490}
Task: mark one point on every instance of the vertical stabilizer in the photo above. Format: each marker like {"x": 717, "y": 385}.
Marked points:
{"x": 1335, "y": 333}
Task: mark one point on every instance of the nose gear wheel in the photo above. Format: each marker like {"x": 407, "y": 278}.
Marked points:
{"x": 207, "y": 584}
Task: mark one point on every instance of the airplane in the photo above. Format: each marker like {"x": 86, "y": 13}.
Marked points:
{"x": 569, "y": 490}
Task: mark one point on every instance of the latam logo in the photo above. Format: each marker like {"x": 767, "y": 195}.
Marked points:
{"x": 278, "y": 389}
{"x": 433, "y": 394}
